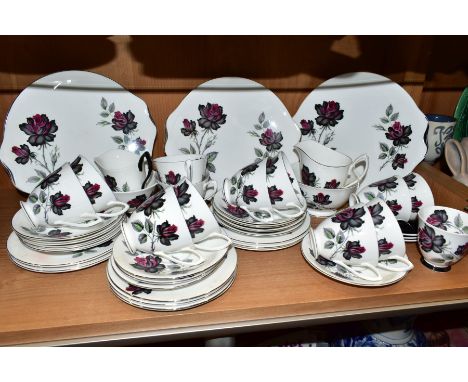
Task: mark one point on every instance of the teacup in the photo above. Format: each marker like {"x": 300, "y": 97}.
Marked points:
{"x": 326, "y": 198}
{"x": 95, "y": 187}
{"x": 442, "y": 236}
{"x": 420, "y": 193}
{"x": 207, "y": 188}
{"x": 135, "y": 198}
{"x": 349, "y": 239}
{"x": 201, "y": 223}
{"x": 321, "y": 166}
{"x": 390, "y": 240}
{"x": 172, "y": 169}
{"x": 247, "y": 189}
{"x": 123, "y": 171}
{"x": 60, "y": 200}
{"x": 283, "y": 188}
{"x": 393, "y": 191}
{"x": 440, "y": 129}
{"x": 157, "y": 226}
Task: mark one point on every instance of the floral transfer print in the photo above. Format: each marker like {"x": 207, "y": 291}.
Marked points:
{"x": 321, "y": 200}
{"x": 329, "y": 113}
{"x": 375, "y": 212}
{"x": 332, "y": 184}
{"x": 350, "y": 218}
{"x": 211, "y": 119}
{"x": 440, "y": 219}
{"x": 409, "y": 180}
{"x": 150, "y": 264}
{"x": 136, "y": 202}
{"x": 462, "y": 250}
{"x": 353, "y": 249}
{"x": 181, "y": 193}
{"x": 59, "y": 202}
{"x": 271, "y": 166}
{"x": 275, "y": 194}
{"x": 429, "y": 241}
{"x": 399, "y": 136}
{"x": 195, "y": 225}
{"x": 172, "y": 178}
{"x": 77, "y": 166}
{"x": 308, "y": 177}
{"x": 384, "y": 247}
{"x": 135, "y": 290}
{"x": 249, "y": 169}
{"x": 41, "y": 132}
{"x": 92, "y": 191}
{"x": 152, "y": 205}
{"x": 236, "y": 211}
{"x": 112, "y": 183}
{"x": 122, "y": 122}
{"x": 386, "y": 185}
{"x": 249, "y": 194}
{"x": 164, "y": 233}
{"x": 269, "y": 139}
{"x": 394, "y": 206}
{"x": 415, "y": 204}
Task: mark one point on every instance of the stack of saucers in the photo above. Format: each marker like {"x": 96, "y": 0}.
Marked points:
{"x": 68, "y": 222}
{"x": 261, "y": 206}
{"x": 172, "y": 254}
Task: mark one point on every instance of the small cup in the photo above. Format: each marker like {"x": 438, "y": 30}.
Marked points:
{"x": 349, "y": 239}
{"x": 321, "y": 166}
{"x": 60, "y": 200}
{"x": 390, "y": 240}
{"x": 173, "y": 168}
{"x": 442, "y": 236}
{"x": 440, "y": 129}
{"x": 201, "y": 223}
{"x": 247, "y": 189}
{"x": 283, "y": 188}
{"x": 420, "y": 193}
{"x": 393, "y": 191}
{"x": 207, "y": 188}
{"x": 95, "y": 187}
{"x": 157, "y": 226}
{"x": 123, "y": 171}
{"x": 135, "y": 198}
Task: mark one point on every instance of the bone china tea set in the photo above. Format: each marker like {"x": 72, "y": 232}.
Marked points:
{"x": 240, "y": 172}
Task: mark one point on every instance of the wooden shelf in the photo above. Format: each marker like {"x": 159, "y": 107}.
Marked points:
{"x": 272, "y": 289}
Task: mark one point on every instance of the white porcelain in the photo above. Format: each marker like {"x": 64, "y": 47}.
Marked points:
{"x": 207, "y": 188}
{"x": 420, "y": 193}
{"x": 442, "y": 236}
{"x": 121, "y": 170}
{"x": 172, "y": 168}
{"x": 158, "y": 227}
{"x": 349, "y": 240}
{"x": 87, "y": 114}
{"x": 440, "y": 129}
{"x": 323, "y": 167}
{"x": 232, "y": 121}
{"x": 326, "y": 198}
{"x": 393, "y": 191}
{"x": 135, "y": 198}
{"x": 338, "y": 273}
{"x": 456, "y": 156}
{"x": 201, "y": 223}
{"x": 390, "y": 240}
{"x": 356, "y": 110}
{"x": 60, "y": 200}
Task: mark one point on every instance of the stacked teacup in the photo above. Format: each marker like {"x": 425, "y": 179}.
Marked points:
{"x": 261, "y": 206}
{"x": 131, "y": 178}
{"x": 364, "y": 240}
{"x": 404, "y": 195}
{"x": 327, "y": 176}
{"x": 172, "y": 253}
{"x": 68, "y": 222}
{"x": 171, "y": 169}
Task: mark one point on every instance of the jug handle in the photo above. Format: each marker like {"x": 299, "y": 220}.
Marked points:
{"x": 146, "y": 155}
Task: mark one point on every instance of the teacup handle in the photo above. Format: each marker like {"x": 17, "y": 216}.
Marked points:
{"x": 353, "y": 199}
{"x": 409, "y": 264}
{"x": 114, "y": 203}
{"x": 253, "y": 216}
{"x": 214, "y": 249}
{"x": 293, "y": 215}
{"x": 227, "y": 190}
{"x": 175, "y": 260}
{"x": 188, "y": 169}
{"x": 364, "y": 265}
{"x": 146, "y": 155}
{"x": 362, "y": 158}
{"x": 210, "y": 187}
{"x": 97, "y": 220}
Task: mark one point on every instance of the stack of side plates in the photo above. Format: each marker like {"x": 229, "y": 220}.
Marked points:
{"x": 247, "y": 233}
{"x": 151, "y": 282}
{"x": 49, "y": 249}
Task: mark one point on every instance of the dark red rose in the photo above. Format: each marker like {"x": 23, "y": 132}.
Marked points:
{"x": 307, "y": 127}
{"x": 429, "y": 241}
{"x": 40, "y": 129}
{"x": 167, "y": 233}
{"x": 438, "y": 219}
{"x": 399, "y": 134}
{"x": 141, "y": 143}
{"x": 181, "y": 192}
{"x": 462, "y": 250}
{"x": 375, "y": 211}
{"x": 51, "y": 179}
{"x": 23, "y": 154}
{"x": 249, "y": 194}
{"x": 349, "y": 218}
{"x": 321, "y": 199}
{"x": 195, "y": 225}
{"x": 136, "y": 202}
{"x": 308, "y": 177}
{"x": 150, "y": 264}
{"x": 212, "y": 116}
{"x": 332, "y": 184}
{"x": 76, "y": 165}
{"x": 172, "y": 178}
{"x": 189, "y": 129}
{"x": 237, "y": 211}
{"x": 271, "y": 140}
{"x": 270, "y": 165}
{"x": 249, "y": 169}
{"x": 415, "y": 204}
{"x": 409, "y": 179}
{"x": 92, "y": 190}
{"x": 59, "y": 202}
{"x": 137, "y": 290}
{"x": 124, "y": 122}
{"x": 386, "y": 184}
{"x": 111, "y": 182}
{"x": 329, "y": 113}
{"x": 399, "y": 161}
{"x": 152, "y": 204}
{"x": 353, "y": 249}
{"x": 394, "y": 206}
{"x": 275, "y": 194}
{"x": 385, "y": 247}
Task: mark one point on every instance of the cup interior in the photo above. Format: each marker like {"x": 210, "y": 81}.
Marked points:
{"x": 178, "y": 158}
{"x": 323, "y": 155}
{"x": 117, "y": 159}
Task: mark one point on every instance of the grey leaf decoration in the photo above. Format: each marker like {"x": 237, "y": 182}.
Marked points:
{"x": 103, "y": 103}
{"x": 261, "y": 118}
{"x": 389, "y": 110}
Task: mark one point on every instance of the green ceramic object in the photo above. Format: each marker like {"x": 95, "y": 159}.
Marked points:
{"x": 461, "y": 115}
